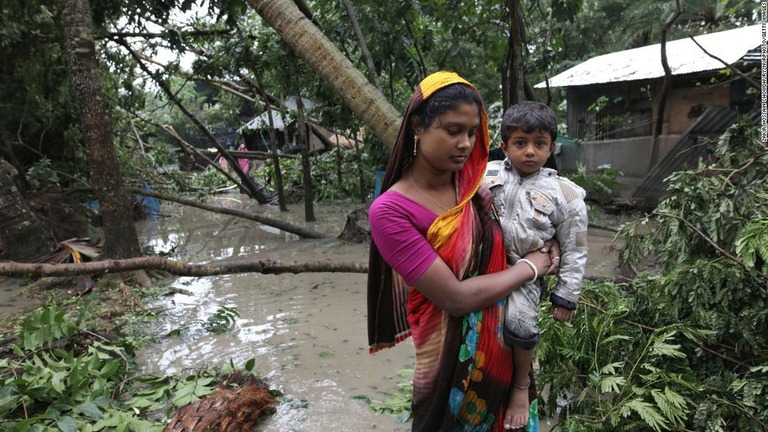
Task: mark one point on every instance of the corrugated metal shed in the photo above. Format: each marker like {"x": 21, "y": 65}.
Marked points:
{"x": 686, "y": 153}
{"x": 683, "y": 55}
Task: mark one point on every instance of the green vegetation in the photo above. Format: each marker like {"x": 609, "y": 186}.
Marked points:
{"x": 398, "y": 404}
{"x": 325, "y": 169}
{"x": 62, "y": 375}
{"x": 682, "y": 345}
{"x": 599, "y": 184}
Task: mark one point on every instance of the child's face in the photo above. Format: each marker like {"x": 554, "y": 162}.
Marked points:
{"x": 528, "y": 151}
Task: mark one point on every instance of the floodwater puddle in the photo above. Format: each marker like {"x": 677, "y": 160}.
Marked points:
{"x": 307, "y": 331}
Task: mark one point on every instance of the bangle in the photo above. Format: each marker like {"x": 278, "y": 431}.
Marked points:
{"x": 533, "y": 267}
{"x": 522, "y": 387}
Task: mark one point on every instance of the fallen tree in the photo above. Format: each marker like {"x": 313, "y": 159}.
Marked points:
{"x": 177, "y": 268}
{"x": 293, "y": 229}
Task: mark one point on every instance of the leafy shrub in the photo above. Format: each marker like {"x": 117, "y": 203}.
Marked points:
{"x": 63, "y": 378}
{"x": 682, "y": 346}
{"x": 599, "y": 184}
{"x": 324, "y": 172}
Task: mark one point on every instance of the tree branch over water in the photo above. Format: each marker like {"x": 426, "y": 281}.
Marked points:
{"x": 177, "y": 268}
{"x": 287, "y": 227}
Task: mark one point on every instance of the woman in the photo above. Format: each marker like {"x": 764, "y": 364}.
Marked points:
{"x": 437, "y": 269}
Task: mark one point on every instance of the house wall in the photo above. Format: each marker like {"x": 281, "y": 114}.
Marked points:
{"x": 686, "y": 104}
{"x": 631, "y": 156}
{"x": 631, "y": 105}
{"x": 626, "y": 112}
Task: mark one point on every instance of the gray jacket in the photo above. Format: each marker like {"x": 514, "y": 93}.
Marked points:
{"x": 537, "y": 208}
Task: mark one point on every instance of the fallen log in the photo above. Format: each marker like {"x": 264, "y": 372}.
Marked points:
{"x": 293, "y": 229}
{"x": 213, "y": 268}
{"x": 177, "y": 268}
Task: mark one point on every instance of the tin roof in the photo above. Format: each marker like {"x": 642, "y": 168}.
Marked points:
{"x": 683, "y": 55}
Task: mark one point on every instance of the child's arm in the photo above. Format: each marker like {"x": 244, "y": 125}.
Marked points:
{"x": 571, "y": 233}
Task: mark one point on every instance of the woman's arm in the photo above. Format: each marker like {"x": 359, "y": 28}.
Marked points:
{"x": 458, "y": 298}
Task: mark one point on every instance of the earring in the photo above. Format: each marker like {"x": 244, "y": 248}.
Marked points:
{"x": 415, "y": 143}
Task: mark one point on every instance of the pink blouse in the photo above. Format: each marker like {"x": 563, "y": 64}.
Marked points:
{"x": 399, "y": 228}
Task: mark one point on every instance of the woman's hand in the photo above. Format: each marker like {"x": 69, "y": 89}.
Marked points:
{"x": 552, "y": 247}
{"x": 541, "y": 260}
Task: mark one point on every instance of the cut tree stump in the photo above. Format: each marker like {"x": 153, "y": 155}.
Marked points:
{"x": 231, "y": 408}
{"x": 357, "y": 229}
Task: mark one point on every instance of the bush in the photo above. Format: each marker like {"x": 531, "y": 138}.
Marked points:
{"x": 682, "y": 346}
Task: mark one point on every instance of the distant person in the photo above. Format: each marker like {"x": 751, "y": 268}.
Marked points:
{"x": 535, "y": 205}
{"x": 243, "y": 163}
{"x": 437, "y": 268}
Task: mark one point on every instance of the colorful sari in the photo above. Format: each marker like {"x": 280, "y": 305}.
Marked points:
{"x": 463, "y": 371}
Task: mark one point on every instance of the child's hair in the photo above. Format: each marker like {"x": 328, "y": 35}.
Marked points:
{"x": 529, "y": 116}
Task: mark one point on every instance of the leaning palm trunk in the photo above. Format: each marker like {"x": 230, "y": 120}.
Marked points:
{"x": 309, "y": 43}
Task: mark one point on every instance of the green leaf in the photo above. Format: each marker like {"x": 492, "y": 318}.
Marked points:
{"x": 173, "y": 333}
{"x": 249, "y": 364}
{"x": 59, "y": 382}
{"x": 90, "y": 410}
{"x": 110, "y": 368}
{"x": 184, "y": 395}
{"x": 611, "y": 368}
{"x": 611, "y": 384}
{"x": 668, "y": 350}
{"x": 647, "y": 412}
{"x": 66, "y": 424}
{"x": 671, "y": 403}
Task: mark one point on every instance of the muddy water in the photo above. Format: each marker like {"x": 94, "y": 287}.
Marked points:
{"x": 306, "y": 332}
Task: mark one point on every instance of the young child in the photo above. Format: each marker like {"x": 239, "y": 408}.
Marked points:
{"x": 535, "y": 205}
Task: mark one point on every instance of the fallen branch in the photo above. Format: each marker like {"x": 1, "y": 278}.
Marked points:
{"x": 12, "y": 268}
{"x": 293, "y": 229}
{"x": 752, "y": 83}
{"x": 711, "y": 242}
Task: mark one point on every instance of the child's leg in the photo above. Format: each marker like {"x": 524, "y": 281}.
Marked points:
{"x": 522, "y": 334}
{"x": 516, "y": 416}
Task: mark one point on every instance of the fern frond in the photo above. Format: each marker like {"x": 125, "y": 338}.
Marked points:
{"x": 647, "y": 412}
{"x": 671, "y": 403}
{"x": 613, "y": 383}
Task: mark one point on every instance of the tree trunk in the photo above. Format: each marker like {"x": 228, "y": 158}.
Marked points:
{"x": 360, "y": 173}
{"x": 176, "y": 268}
{"x": 293, "y": 229}
{"x": 22, "y": 236}
{"x": 120, "y": 238}
{"x": 372, "y": 74}
{"x": 303, "y": 134}
{"x": 276, "y": 160}
{"x": 515, "y": 81}
{"x": 312, "y": 46}
{"x": 306, "y": 165}
{"x": 665, "y": 87}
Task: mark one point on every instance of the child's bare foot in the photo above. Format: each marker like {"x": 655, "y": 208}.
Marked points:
{"x": 516, "y": 416}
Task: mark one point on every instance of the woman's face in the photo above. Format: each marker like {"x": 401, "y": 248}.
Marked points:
{"x": 447, "y": 143}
